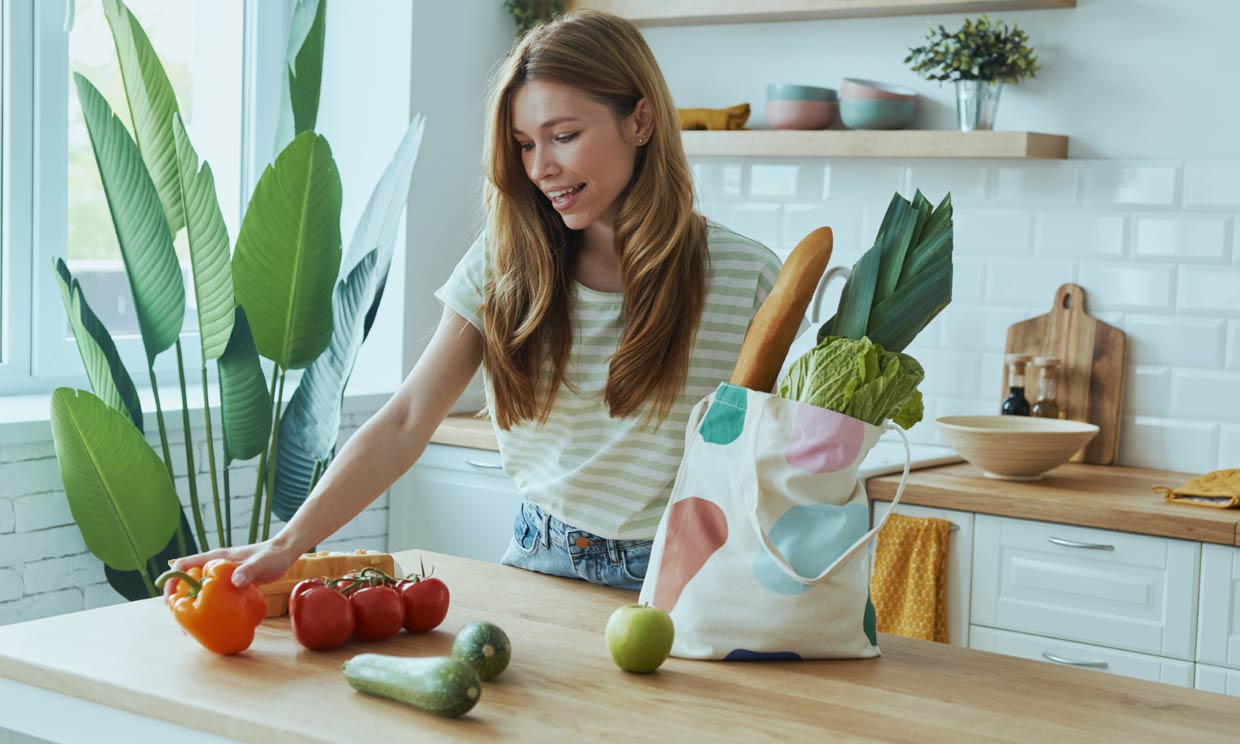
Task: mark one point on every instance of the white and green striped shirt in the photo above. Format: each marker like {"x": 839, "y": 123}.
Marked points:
{"x": 612, "y": 477}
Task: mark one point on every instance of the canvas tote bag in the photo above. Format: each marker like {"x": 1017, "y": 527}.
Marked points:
{"x": 761, "y": 553}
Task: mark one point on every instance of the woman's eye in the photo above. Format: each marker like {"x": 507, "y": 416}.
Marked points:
{"x": 566, "y": 137}
{"x": 525, "y": 146}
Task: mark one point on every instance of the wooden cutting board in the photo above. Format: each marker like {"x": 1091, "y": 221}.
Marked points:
{"x": 1091, "y": 380}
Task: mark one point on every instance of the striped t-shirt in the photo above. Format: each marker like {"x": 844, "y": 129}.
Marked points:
{"x": 613, "y": 477}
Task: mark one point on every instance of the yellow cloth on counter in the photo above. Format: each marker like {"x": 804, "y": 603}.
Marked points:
{"x": 1220, "y": 489}
{"x": 715, "y": 119}
{"x": 909, "y": 585}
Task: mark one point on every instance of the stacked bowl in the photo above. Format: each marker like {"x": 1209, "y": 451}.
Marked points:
{"x": 865, "y": 104}
{"x": 791, "y": 106}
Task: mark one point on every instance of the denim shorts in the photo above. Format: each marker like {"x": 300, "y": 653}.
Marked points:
{"x": 544, "y": 544}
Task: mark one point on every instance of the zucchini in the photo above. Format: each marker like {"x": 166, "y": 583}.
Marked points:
{"x": 485, "y": 647}
{"x": 440, "y": 685}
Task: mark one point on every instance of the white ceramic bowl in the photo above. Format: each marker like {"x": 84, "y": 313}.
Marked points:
{"x": 1015, "y": 447}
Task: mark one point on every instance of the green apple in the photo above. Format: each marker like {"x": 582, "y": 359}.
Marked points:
{"x": 639, "y": 637}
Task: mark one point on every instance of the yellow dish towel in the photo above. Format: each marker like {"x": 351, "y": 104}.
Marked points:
{"x": 1220, "y": 489}
{"x": 733, "y": 117}
{"x": 909, "y": 586}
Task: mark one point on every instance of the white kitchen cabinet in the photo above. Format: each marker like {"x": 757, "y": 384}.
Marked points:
{"x": 1084, "y": 656}
{"x": 959, "y": 563}
{"x": 1218, "y": 624}
{"x": 1117, "y": 589}
{"x": 454, "y": 500}
{"x": 1218, "y": 679}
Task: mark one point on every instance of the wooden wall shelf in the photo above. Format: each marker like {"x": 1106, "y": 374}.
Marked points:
{"x": 876, "y": 144}
{"x": 693, "y": 12}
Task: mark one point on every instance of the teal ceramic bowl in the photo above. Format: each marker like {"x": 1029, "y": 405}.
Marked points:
{"x": 876, "y": 113}
{"x": 791, "y": 92}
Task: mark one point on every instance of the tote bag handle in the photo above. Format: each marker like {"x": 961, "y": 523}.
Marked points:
{"x": 783, "y": 564}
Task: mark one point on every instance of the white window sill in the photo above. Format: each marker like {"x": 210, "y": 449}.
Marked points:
{"x": 27, "y": 418}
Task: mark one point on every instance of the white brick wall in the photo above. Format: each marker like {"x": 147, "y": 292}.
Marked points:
{"x": 45, "y": 568}
{"x": 1156, "y": 245}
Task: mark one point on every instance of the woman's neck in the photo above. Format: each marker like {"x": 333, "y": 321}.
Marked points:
{"x": 598, "y": 264}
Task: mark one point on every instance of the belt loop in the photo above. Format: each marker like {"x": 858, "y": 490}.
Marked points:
{"x": 547, "y": 531}
{"x": 613, "y": 552}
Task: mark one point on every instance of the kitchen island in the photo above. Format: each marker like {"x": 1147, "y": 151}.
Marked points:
{"x": 562, "y": 683}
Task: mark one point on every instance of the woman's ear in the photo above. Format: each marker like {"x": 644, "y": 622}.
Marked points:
{"x": 643, "y": 123}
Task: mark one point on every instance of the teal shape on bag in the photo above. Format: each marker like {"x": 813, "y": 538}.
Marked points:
{"x": 725, "y": 420}
{"x": 810, "y": 539}
{"x": 870, "y": 623}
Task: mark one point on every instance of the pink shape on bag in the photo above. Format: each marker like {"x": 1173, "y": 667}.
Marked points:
{"x": 824, "y": 441}
{"x": 696, "y": 528}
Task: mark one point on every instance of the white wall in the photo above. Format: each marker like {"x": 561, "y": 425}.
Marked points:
{"x": 1143, "y": 215}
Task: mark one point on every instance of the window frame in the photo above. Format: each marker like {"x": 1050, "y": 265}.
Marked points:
{"x": 16, "y": 176}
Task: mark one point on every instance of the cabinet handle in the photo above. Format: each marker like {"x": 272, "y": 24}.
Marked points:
{"x": 485, "y": 465}
{"x": 1061, "y": 660}
{"x": 1075, "y": 544}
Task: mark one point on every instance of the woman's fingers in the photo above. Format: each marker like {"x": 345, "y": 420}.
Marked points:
{"x": 190, "y": 561}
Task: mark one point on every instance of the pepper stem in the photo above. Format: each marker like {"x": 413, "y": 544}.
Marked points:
{"x": 195, "y": 585}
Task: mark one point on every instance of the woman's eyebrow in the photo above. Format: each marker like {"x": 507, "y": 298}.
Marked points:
{"x": 550, "y": 123}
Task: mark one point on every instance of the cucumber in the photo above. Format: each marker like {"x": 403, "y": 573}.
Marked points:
{"x": 440, "y": 685}
{"x": 484, "y": 647}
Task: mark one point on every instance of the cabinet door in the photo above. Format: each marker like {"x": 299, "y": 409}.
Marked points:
{"x": 1114, "y": 589}
{"x": 959, "y": 563}
{"x": 1218, "y": 636}
{"x": 1217, "y": 679}
{"x": 1080, "y": 655}
{"x": 454, "y": 500}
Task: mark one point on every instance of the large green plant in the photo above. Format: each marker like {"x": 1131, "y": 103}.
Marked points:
{"x": 280, "y": 296}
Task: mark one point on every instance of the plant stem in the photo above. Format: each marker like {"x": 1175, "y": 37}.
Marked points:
{"x": 227, "y": 502}
{"x": 271, "y": 460}
{"x": 182, "y": 546}
{"x": 262, "y": 466}
{"x": 189, "y": 457}
{"x": 215, "y": 489}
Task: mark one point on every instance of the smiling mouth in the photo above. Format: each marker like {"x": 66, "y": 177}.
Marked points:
{"x": 560, "y": 198}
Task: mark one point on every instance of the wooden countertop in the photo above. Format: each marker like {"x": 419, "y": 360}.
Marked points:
{"x": 1110, "y": 497}
{"x": 562, "y": 684}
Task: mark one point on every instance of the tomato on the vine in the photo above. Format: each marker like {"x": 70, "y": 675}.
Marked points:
{"x": 426, "y": 603}
{"x": 378, "y": 611}
{"x": 321, "y": 616}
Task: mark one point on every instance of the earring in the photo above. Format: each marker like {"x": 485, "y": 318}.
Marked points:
{"x": 641, "y": 140}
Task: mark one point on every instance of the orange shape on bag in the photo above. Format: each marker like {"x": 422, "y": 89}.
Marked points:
{"x": 696, "y": 528}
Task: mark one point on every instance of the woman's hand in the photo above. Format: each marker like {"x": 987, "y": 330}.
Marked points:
{"x": 260, "y": 563}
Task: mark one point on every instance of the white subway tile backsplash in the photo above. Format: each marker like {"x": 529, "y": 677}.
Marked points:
{"x": 1147, "y": 391}
{"x": 967, "y": 280}
{"x": 18, "y": 451}
{"x": 1175, "y": 341}
{"x": 1181, "y": 238}
{"x": 102, "y": 595}
{"x": 1168, "y": 444}
{"x": 1229, "y": 447}
{"x": 757, "y": 221}
{"x": 29, "y": 476}
{"x": 864, "y": 182}
{"x": 949, "y": 373}
{"x": 10, "y": 584}
{"x": 966, "y": 181}
{"x": 62, "y": 573}
{"x": 844, "y": 221}
{"x": 39, "y": 606}
{"x": 7, "y": 520}
{"x": 1038, "y": 184}
{"x": 1210, "y": 290}
{"x": 1026, "y": 283}
{"x": 1130, "y": 184}
{"x": 1212, "y": 184}
{"x": 977, "y": 328}
{"x": 981, "y": 232}
{"x": 42, "y": 510}
{"x": 991, "y": 378}
{"x": 1233, "y": 344}
{"x": 1079, "y": 234}
{"x": 1205, "y": 396}
{"x": 718, "y": 179}
{"x": 1122, "y": 286}
{"x": 777, "y": 181}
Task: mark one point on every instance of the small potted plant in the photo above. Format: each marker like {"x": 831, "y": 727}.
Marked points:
{"x": 980, "y": 57}
{"x": 529, "y": 13}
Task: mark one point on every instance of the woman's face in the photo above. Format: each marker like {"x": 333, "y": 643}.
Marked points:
{"x": 575, "y": 150}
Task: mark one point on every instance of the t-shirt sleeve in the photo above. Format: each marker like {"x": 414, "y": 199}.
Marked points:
{"x": 465, "y": 289}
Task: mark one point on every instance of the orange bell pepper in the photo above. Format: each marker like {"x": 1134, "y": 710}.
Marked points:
{"x": 217, "y": 614}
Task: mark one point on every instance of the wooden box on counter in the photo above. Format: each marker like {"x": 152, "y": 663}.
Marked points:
{"x": 321, "y": 564}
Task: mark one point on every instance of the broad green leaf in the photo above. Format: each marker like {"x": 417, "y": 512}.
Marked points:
{"x": 245, "y": 401}
{"x": 288, "y": 253}
{"x": 311, "y": 422}
{"x": 104, "y": 368}
{"x": 130, "y": 584}
{"x": 208, "y": 246}
{"x": 119, "y": 491}
{"x": 138, "y": 218}
{"x": 893, "y": 244}
{"x": 897, "y": 320}
{"x": 151, "y": 106}
{"x": 853, "y": 313}
{"x": 940, "y": 220}
{"x": 303, "y": 71}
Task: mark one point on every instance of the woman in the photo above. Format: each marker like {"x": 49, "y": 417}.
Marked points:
{"x": 600, "y": 305}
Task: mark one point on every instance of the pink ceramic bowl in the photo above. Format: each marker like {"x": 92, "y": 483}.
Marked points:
{"x": 801, "y": 114}
{"x": 857, "y": 89}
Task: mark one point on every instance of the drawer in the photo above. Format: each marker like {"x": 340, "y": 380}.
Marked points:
{"x": 1218, "y": 624}
{"x": 454, "y": 500}
{"x": 1113, "y": 589}
{"x": 1218, "y": 679}
{"x": 1082, "y": 656}
{"x": 959, "y": 563}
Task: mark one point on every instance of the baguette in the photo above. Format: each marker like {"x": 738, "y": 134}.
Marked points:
{"x": 775, "y": 324}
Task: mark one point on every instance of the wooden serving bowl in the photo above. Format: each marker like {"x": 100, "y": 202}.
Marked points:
{"x": 1015, "y": 447}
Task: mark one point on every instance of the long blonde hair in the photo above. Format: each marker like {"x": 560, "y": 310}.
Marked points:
{"x": 660, "y": 240}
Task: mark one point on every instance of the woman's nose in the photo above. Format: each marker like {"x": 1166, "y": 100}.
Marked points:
{"x": 542, "y": 164}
